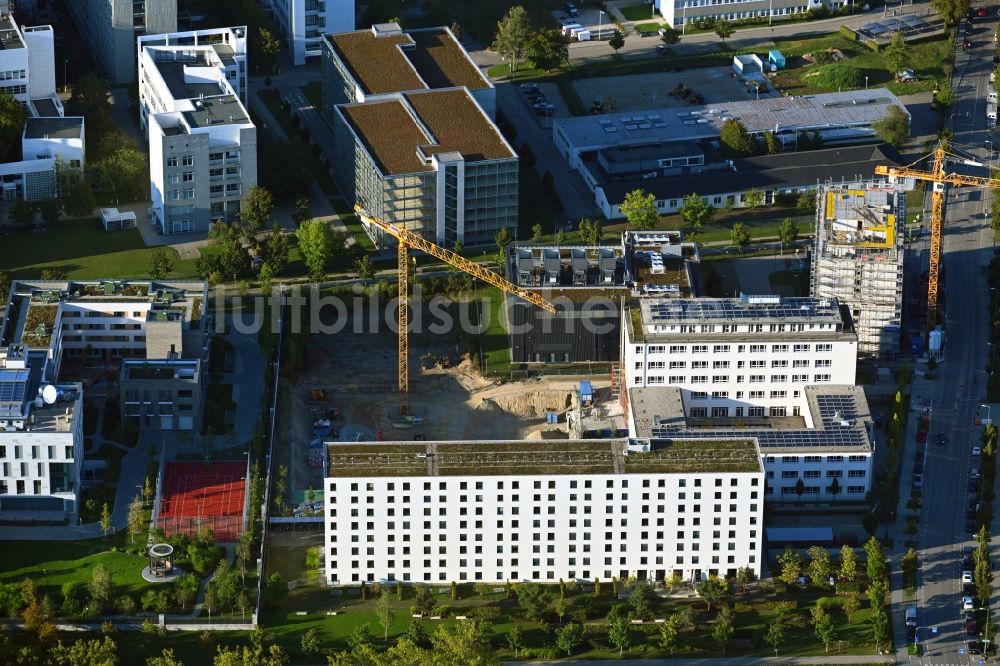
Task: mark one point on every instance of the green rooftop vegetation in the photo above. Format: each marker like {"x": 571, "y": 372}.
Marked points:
{"x": 39, "y": 325}
{"x": 635, "y": 313}
{"x": 685, "y": 456}
{"x": 528, "y": 457}
{"x": 377, "y": 459}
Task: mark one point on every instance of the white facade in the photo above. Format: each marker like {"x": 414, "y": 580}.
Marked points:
{"x": 41, "y": 62}
{"x": 202, "y": 143}
{"x": 304, "y": 22}
{"x": 679, "y": 12}
{"x": 753, "y": 363}
{"x": 41, "y": 449}
{"x": 541, "y": 527}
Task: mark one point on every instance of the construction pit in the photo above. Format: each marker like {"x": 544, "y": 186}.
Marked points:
{"x": 449, "y": 399}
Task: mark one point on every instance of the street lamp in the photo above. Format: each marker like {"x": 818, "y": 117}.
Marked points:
{"x": 65, "y": 78}
{"x": 986, "y": 629}
{"x": 866, "y": 83}
{"x": 988, "y": 421}
{"x": 600, "y": 22}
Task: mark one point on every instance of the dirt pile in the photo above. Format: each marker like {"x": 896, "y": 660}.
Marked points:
{"x": 547, "y": 434}
{"x": 530, "y": 405}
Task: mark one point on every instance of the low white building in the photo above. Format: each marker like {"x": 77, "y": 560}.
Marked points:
{"x": 202, "y": 143}
{"x": 48, "y": 145}
{"x": 435, "y": 512}
{"x": 304, "y": 22}
{"x": 735, "y": 358}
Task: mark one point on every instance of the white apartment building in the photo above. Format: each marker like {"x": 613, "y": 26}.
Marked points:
{"x": 41, "y": 442}
{"x": 829, "y": 447}
{"x": 735, "y": 358}
{"x": 202, "y": 143}
{"x": 858, "y": 258}
{"x": 435, "y": 512}
{"x": 110, "y": 28}
{"x": 680, "y": 12}
{"x": 27, "y": 66}
{"x": 104, "y": 321}
{"x": 304, "y": 22}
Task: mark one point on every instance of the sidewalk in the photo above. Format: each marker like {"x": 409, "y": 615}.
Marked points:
{"x": 729, "y": 661}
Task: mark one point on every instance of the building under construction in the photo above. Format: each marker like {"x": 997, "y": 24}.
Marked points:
{"x": 858, "y": 258}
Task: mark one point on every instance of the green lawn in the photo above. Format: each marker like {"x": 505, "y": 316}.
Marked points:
{"x": 652, "y": 26}
{"x": 495, "y": 341}
{"x": 83, "y": 250}
{"x": 637, "y": 12}
{"x": 51, "y": 564}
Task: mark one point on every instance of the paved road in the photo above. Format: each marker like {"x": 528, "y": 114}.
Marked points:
{"x": 955, "y": 396}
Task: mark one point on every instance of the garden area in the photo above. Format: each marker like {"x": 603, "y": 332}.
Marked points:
{"x": 592, "y": 620}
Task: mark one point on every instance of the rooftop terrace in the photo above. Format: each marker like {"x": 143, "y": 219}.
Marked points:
{"x": 10, "y": 37}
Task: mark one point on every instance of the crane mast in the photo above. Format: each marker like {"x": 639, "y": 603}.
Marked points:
{"x": 407, "y": 239}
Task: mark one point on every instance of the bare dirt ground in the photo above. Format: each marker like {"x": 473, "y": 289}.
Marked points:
{"x": 358, "y": 372}
{"x": 641, "y": 92}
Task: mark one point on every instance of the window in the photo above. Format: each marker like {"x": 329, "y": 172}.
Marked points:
{"x": 699, "y": 395}
{"x": 758, "y": 349}
{"x": 779, "y": 349}
{"x": 719, "y": 365}
{"x": 856, "y": 474}
{"x": 779, "y": 379}
{"x": 678, "y": 349}
{"x": 187, "y": 160}
{"x": 756, "y": 379}
{"x": 800, "y": 363}
{"x": 801, "y": 348}
{"x": 775, "y": 395}
{"x": 720, "y": 349}
{"x": 171, "y": 161}
{"x": 779, "y": 364}
{"x": 699, "y": 365}
{"x": 678, "y": 365}
{"x": 188, "y": 176}
{"x": 821, "y": 378}
{"x": 800, "y": 378}
{"x": 699, "y": 379}
{"x": 699, "y": 349}
{"x": 826, "y": 347}
{"x": 756, "y": 395}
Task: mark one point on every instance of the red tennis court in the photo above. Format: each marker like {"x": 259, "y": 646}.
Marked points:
{"x": 197, "y": 496}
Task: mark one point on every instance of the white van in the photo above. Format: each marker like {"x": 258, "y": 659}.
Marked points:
{"x": 568, "y": 29}
{"x": 583, "y": 36}
{"x": 991, "y": 94}
{"x": 911, "y": 616}
{"x": 991, "y": 114}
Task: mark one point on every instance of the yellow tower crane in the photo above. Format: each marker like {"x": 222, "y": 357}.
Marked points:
{"x": 406, "y": 240}
{"x": 940, "y": 178}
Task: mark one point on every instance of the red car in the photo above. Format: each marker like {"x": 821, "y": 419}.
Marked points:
{"x": 922, "y": 436}
{"x": 981, "y": 12}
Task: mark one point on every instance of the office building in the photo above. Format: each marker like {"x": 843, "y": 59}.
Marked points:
{"x": 74, "y": 322}
{"x": 678, "y": 13}
{"x": 541, "y": 511}
{"x": 41, "y": 443}
{"x": 857, "y": 258}
{"x": 161, "y": 395}
{"x": 304, "y": 22}
{"x": 202, "y": 143}
{"x": 736, "y": 358}
{"x": 111, "y": 27}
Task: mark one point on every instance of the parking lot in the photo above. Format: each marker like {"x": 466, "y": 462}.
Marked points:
{"x": 639, "y": 92}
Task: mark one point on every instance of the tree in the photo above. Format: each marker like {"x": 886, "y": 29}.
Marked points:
{"x": 513, "y": 33}
{"x": 669, "y": 36}
{"x": 316, "y": 246}
{"x": 669, "y": 634}
{"x": 166, "y": 658}
{"x": 713, "y": 590}
{"x": 536, "y": 233}
{"x": 848, "y": 564}
{"x": 13, "y": 115}
{"x": 591, "y": 231}
{"x": 745, "y": 576}
{"x": 806, "y": 202}
{"x": 532, "y": 598}
{"x": 791, "y": 566}
{"x": 102, "y": 588}
{"x": 788, "y": 232}
{"x": 385, "y": 613}
{"x": 467, "y": 643}
{"x": 754, "y": 198}
{"x": 105, "y": 520}
{"x": 560, "y": 237}
{"x": 837, "y": 76}
{"x": 618, "y": 634}
{"x": 850, "y": 605}
{"x": 269, "y": 46}
{"x": 135, "y": 519}
{"x": 160, "y": 264}
{"x": 364, "y": 268}
{"x": 826, "y": 631}
{"x": 274, "y": 250}
{"x": 897, "y": 53}
{"x": 50, "y": 210}
{"x": 724, "y": 29}
{"x": 639, "y": 208}
{"x": 617, "y": 40}
{"x": 820, "y": 566}
{"x": 256, "y": 208}
{"x": 893, "y": 127}
{"x": 696, "y": 212}
{"x": 94, "y": 652}
{"x": 81, "y": 201}
{"x": 21, "y": 213}
{"x": 775, "y": 635}
{"x": 547, "y": 49}
{"x": 503, "y": 238}
{"x": 771, "y": 143}
{"x": 723, "y": 628}
{"x": 515, "y": 639}
{"x": 569, "y": 636}
{"x": 951, "y": 10}
{"x": 561, "y": 608}
{"x": 740, "y": 236}
{"x": 641, "y": 600}
{"x": 734, "y": 140}
{"x": 875, "y": 560}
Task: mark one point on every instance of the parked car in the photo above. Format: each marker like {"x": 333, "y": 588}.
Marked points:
{"x": 528, "y": 87}
{"x": 981, "y": 12}
{"x": 976, "y": 451}
{"x": 968, "y": 603}
{"x": 661, "y": 49}
{"x": 918, "y": 481}
{"x": 905, "y": 76}
{"x": 966, "y": 44}
{"x": 966, "y": 577}
{"x": 543, "y": 106}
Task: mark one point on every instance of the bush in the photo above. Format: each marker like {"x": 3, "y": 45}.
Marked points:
{"x": 838, "y": 76}
{"x": 441, "y": 611}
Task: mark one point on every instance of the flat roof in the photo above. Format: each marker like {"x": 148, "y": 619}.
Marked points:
{"x": 222, "y": 110}
{"x": 840, "y": 413}
{"x": 764, "y": 172}
{"x": 538, "y": 457}
{"x": 854, "y": 108}
{"x": 454, "y": 121}
{"x": 744, "y": 310}
{"x": 10, "y": 36}
{"x": 45, "y": 107}
{"x": 172, "y": 71}
{"x": 53, "y": 128}
{"x": 415, "y": 60}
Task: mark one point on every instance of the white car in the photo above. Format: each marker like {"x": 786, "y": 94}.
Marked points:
{"x": 966, "y": 577}
{"x": 976, "y": 451}
{"x": 968, "y": 603}
{"x": 906, "y": 76}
